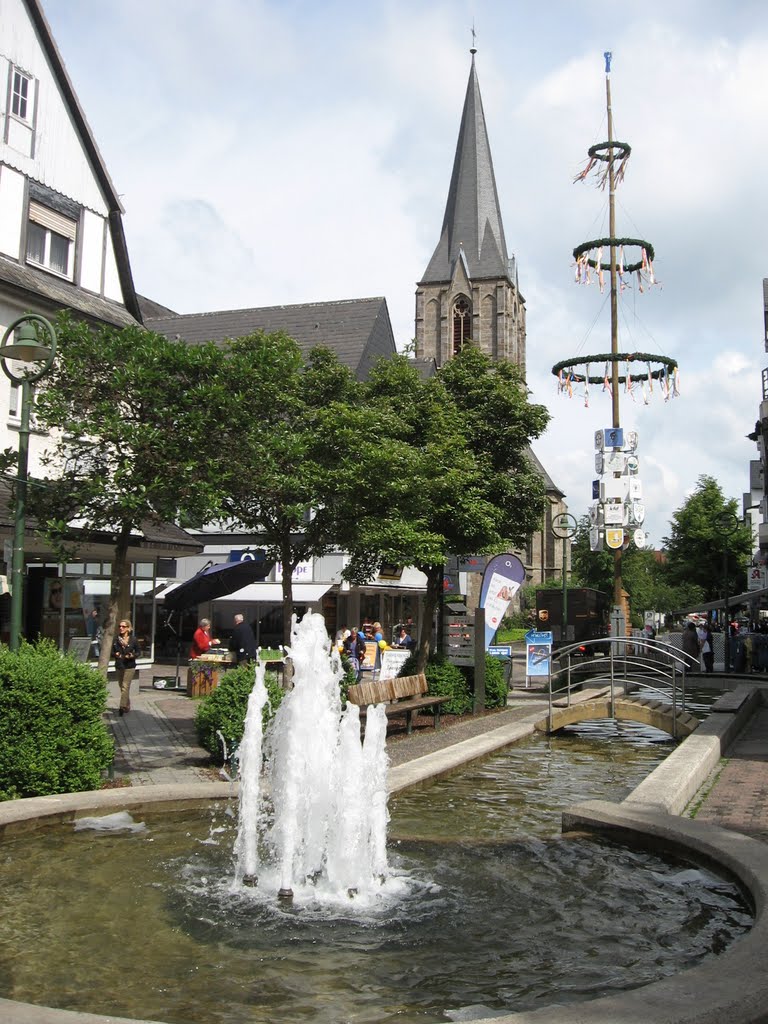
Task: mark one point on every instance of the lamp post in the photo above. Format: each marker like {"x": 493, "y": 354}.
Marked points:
{"x": 728, "y": 524}
{"x": 37, "y": 358}
{"x": 565, "y": 527}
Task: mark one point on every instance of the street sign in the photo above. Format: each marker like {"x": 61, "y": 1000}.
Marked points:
{"x": 500, "y": 650}
{"x": 538, "y": 636}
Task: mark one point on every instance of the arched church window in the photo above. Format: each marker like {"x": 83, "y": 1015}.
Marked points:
{"x": 462, "y": 324}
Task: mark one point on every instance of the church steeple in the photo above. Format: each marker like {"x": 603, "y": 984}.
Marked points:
{"x": 469, "y": 289}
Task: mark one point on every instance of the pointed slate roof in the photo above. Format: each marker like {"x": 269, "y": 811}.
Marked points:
{"x": 359, "y": 331}
{"x": 472, "y": 220}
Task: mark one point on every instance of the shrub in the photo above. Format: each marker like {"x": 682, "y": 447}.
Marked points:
{"x": 224, "y": 710}
{"x": 447, "y": 679}
{"x": 53, "y": 738}
{"x": 496, "y": 685}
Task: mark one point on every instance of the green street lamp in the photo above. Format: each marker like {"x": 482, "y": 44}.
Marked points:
{"x": 565, "y": 526}
{"x": 37, "y": 358}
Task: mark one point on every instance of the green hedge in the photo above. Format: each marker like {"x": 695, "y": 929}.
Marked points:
{"x": 447, "y": 679}
{"x": 53, "y": 737}
{"x": 224, "y": 710}
{"x": 496, "y": 689}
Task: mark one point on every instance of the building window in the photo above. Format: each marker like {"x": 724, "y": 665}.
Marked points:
{"x": 21, "y": 105}
{"x": 50, "y": 240}
{"x": 462, "y": 324}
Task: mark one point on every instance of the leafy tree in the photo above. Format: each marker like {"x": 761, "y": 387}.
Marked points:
{"x": 708, "y": 544}
{"x": 443, "y": 470}
{"x": 644, "y": 577}
{"x": 127, "y": 410}
{"x": 287, "y": 424}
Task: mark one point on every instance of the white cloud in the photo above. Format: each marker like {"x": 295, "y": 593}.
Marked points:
{"x": 272, "y": 153}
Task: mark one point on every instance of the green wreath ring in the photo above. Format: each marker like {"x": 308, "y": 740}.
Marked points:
{"x": 615, "y": 243}
{"x": 603, "y": 150}
{"x": 665, "y": 366}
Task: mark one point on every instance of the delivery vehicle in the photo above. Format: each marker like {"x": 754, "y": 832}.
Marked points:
{"x": 588, "y": 615}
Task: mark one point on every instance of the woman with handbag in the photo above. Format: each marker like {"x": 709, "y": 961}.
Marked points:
{"x": 125, "y": 651}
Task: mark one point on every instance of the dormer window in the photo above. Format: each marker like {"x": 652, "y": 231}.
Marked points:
{"x": 21, "y": 95}
{"x": 50, "y": 240}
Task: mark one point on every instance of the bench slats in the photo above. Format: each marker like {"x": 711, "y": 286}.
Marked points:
{"x": 402, "y": 695}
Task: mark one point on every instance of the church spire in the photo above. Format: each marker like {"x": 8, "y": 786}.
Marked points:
{"x": 472, "y": 218}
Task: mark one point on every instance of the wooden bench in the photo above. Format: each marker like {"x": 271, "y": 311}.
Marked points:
{"x": 402, "y": 695}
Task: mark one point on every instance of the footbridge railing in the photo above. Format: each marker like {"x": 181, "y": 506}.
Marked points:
{"x": 622, "y": 665}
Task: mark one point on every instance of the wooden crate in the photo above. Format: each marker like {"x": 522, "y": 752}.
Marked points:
{"x": 202, "y": 678}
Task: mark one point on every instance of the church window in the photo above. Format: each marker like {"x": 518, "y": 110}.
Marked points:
{"x": 462, "y": 324}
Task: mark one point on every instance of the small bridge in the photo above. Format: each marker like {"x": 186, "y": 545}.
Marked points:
{"x": 645, "y": 710}
{"x": 642, "y": 682}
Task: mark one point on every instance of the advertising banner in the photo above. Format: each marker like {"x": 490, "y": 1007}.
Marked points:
{"x": 502, "y": 579}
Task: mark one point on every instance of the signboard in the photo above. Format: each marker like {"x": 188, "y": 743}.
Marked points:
{"x": 500, "y": 650}
{"x": 79, "y": 647}
{"x": 502, "y": 579}
{"x": 538, "y": 652}
{"x": 391, "y": 662}
{"x": 756, "y": 578}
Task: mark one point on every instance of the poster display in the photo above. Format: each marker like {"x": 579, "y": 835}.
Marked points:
{"x": 502, "y": 579}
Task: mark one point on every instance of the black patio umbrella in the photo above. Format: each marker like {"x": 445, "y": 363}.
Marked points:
{"x": 217, "y": 581}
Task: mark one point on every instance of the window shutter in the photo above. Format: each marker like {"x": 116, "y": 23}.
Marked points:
{"x": 48, "y": 218}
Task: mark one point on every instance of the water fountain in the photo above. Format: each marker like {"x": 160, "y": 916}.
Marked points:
{"x": 318, "y": 812}
{"x": 439, "y": 925}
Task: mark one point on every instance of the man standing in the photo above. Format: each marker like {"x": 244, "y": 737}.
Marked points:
{"x": 93, "y": 630}
{"x": 243, "y": 642}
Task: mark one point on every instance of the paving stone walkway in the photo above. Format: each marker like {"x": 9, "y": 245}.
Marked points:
{"x": 738, "y": 797}
{"x": 156, "y": 743}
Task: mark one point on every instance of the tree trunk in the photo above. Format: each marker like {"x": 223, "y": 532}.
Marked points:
{"x": 434, "y": 574}
{"x": 286, "y": 559}
{"x": 117, "y": 597}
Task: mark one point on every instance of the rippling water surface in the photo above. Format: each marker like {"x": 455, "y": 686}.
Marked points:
{"x": 488, "y": 907}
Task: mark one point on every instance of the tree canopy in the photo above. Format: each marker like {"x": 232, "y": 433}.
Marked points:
{"x": 446, "y": 469}
{"x": 709, "y": 546}
{"x": 129, "y": 439}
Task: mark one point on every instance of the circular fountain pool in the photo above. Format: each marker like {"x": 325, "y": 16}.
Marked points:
{"x": 147, "y": 922}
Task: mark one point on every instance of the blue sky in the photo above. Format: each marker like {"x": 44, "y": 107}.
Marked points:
{"x": 273, "y": 152}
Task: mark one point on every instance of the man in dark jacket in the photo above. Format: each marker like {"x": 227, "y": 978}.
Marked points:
{"x": 243, "y": 642}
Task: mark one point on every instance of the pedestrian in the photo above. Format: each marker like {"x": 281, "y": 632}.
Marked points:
{"x": 691, "y": 646}
{"x": 94, "y": 632}
{"x": 708, "y": 647}
{"x": 201, "y": 640}
{"x": 405, "y": 640}
{"x": 125, "y": 651}
{"x": 354, "y": 649}
{"x": 243, "y": 642}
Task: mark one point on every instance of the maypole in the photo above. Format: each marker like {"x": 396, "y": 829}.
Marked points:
{"x": 617, "y": 512}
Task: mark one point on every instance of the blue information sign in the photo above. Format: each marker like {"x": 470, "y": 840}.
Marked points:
{"x": 500, "y": 650}
{"x": 539, "y": 636}
{"x": 538, "y": 650}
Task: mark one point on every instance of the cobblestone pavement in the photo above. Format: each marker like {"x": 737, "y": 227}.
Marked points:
{"x": 738, "y": 797}
{"x": 156, "y": 743}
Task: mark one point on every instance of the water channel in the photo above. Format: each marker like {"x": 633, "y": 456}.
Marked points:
{"x": 487, "y": 907}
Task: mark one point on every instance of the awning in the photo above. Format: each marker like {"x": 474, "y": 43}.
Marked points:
{"x": 733, "y": 602}
{"x": 272, "y": 593}
{"x": 269, "y": 593}
{"x": 101, "y": 588}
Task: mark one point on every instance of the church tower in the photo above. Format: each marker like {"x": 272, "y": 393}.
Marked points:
{"x": 469, "y": 290}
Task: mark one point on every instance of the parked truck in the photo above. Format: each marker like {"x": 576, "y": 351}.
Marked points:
{"x": 588, "y": 615}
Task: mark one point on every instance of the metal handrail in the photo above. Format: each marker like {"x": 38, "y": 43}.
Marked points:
{"x": 666, "y": 655}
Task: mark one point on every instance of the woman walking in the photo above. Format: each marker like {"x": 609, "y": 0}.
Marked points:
{"x": 125, "y": 650}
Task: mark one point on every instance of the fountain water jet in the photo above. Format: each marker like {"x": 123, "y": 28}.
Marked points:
{"x": 313, "y": 819}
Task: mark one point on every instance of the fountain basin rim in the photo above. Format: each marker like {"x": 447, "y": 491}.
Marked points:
{"x": 733, "y": 986}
